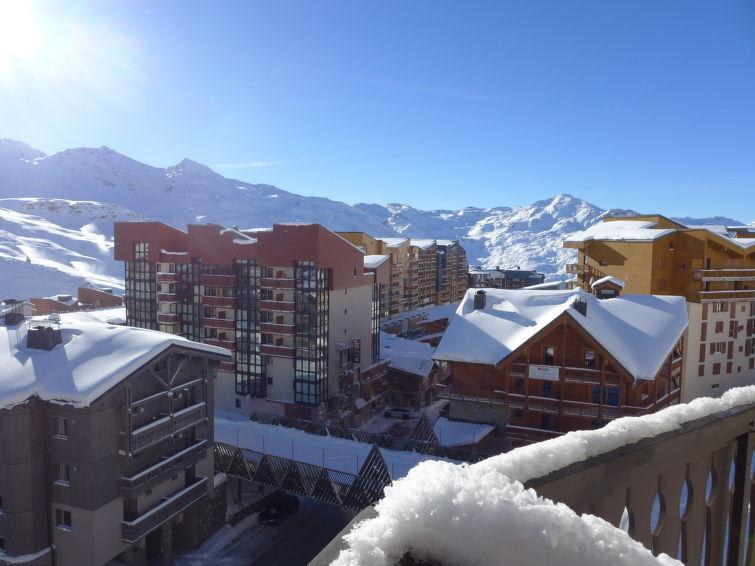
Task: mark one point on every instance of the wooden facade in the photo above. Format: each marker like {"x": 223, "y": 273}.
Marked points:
{"x": 560, "y": 380}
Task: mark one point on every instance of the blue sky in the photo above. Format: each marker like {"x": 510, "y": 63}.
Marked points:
{"x": 645, "y": 104}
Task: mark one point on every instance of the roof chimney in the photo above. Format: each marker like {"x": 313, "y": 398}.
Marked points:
{"x": 479, "y": 300}
{"x": 580, "y": 305}
{"x": 43, "y": 337}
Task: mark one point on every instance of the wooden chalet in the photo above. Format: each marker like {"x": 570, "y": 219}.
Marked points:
{"x": 541, "y": 363}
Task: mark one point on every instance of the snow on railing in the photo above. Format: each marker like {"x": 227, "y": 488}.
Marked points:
{"x": 475, "y": 514}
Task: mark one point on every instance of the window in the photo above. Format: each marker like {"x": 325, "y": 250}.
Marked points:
{"x": 590, "y": 359}
{"x": 269, "y": 380}
{"x": 1, "y": 506}
{"x": 719, "y": 307}
{"x": 716, "y": 369}
{"x": 547, "y": 389}
{"x": 63, "y": 519}
{"x": 62, "y": 474}
{"x": 733, "y": 328}
{"x": 60, "y": 427}
{"x": 549, "y": 354}
{"x": 238, "y": 403}
{"x": 2, "y": 543}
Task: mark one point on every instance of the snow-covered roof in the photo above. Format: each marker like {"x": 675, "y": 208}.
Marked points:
{"x": 93, "y": 357}
{"x": 114, "y": 315}
{"x": 422, "y": 244}
{"x": 168, "y": 252}
{"x": 552, "y": 285}
{"x": 373, "y": 261}
{"x": 629, "y": 230}
{"x": 446, "y": 242}
{"x": 331, "y": 452}
{"x": 442, "y": 511}
{"x": 427, "y": 313}
{"x": 407, "y": 355}
{"x": 457, "y": 433}
{"x": 394, "y": 242}
{"x": 609, "y": 279}
{"x": 639, "y": 331}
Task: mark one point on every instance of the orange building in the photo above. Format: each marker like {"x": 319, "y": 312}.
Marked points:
{"x": 712, "y": 267}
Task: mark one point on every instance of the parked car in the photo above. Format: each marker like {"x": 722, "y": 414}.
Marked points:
{"x": 399, "y": 413}
{"x": 281, "y": 506}
{"x": 401, "y": 428}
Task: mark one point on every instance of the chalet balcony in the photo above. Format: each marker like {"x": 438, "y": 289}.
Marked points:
{"x": 133, "y": 531}
{"x": 272, "y": 328}
{"x": 166, "y": 468}
{"x": 218, "y": 280}
{"x": 278, "y": 351}
{"x": 167, "y": 426}
{"x": 280, "y": 306}
{"x": 729, "y": 296}
{"x": 584, "y": 270}
{"x": 224, "y": 323}
{"x": 276, "y": 283}
{"x": 209, "y": 301}
{"x": 727, "y": 274}
{"x": 168, "y": 277}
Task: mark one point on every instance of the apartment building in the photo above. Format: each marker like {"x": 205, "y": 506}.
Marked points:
{"x": 498, "y": 278}
{"x": 422, "y": 271}
{"x": 87, "y": 298}
{"x": 293, "y": 302}
{"x": 712, "y": 267}
{"x": 538, "y": 363}
{"x": 105, "y": 442}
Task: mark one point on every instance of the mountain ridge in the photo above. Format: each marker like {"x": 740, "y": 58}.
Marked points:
{"x": 56, "y": 211}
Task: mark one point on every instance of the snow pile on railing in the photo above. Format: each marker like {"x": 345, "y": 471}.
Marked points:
{"x": 478, "y": 514}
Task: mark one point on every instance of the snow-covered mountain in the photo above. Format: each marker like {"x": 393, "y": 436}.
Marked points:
{"x": 57, "y": 211}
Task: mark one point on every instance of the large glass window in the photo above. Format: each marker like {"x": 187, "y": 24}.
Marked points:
{"x": 141, "y": 303}
{"x": 311, "y": 317}
{"x": 249, "y": 363}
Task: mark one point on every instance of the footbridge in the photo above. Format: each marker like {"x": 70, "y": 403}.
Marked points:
{"x": 332, "y": 469}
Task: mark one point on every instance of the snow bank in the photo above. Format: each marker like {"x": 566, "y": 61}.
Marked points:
{"x": 446, "y": 511}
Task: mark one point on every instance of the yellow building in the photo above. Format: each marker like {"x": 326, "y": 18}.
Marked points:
{"x": 712, "y": 267}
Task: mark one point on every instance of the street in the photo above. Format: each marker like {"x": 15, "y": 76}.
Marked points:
{"x": 293, "y": 542}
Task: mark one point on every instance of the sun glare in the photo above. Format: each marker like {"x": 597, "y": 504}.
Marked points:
{"x": 20, "y": 34}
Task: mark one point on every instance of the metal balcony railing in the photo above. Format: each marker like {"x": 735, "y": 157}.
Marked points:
{"x": 133, "y": 531}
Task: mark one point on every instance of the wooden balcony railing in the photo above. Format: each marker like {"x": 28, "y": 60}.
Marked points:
{"x": 133, "y": 531}
{"x": 727, "y": 274}
{"x": 160, "y": 429}
{"x": 729, "y": 296}
{"x": 168, "y": 467}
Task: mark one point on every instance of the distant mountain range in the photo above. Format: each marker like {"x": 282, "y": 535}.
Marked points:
{"x": 57, "y": 214}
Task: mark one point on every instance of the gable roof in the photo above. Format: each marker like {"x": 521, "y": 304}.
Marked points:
{"x": 93, "y": 358}
{"x": 638, "y": 331}
{"x": 621, "y": 230}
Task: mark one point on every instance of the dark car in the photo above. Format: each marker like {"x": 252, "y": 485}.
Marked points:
{"x": 281, "y": 506}
{"x": 401, "y": 428}
{"x": 399, "y": 413}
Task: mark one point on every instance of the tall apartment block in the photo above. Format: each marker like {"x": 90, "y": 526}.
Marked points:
{"x": 422, "y": 271}
{"x": 293, "y": 302}
{"x": 712, "y": 267}
{"x": 106, "y": 442}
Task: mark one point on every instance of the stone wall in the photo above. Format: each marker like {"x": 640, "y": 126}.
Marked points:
{"x": 473, "y": 411}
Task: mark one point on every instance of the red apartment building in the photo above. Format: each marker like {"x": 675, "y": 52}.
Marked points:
{"x": 293, "y": 302}
{"x": 538, "y": 363}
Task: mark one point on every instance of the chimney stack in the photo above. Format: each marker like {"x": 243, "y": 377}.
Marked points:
{"x": 580, "y": 305}
{"x": 43, "y": 337}
{"x": 479, "y": 300}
